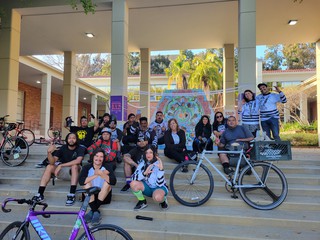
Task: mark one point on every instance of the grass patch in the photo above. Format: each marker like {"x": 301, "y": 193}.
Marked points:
{"x": 300, "y": 139}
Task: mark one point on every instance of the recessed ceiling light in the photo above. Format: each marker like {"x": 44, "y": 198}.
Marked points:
{"x": 292, "y": 22}
{"x": 38, "y": 82}
{"x": 84, "y": 98}
{"x": 90, "y": 35}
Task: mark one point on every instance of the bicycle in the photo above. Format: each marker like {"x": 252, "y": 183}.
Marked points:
{"x": 55, "y": 137}
{"x": 27, "y": 134}
{"x": 20, "y": 230}
{"x": 14, "y": 150}
{"x": 261, "y": 185}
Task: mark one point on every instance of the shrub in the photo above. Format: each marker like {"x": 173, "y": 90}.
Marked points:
{"x": 301, "y": 139}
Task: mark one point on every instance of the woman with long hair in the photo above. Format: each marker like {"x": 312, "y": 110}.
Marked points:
{"x": 219, "y": 125}
{"x": 148, "y": 180}
{"x": 203, "y": 132}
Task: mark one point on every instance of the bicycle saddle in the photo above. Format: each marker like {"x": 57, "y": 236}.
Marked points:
{"x": 89, "y": 191}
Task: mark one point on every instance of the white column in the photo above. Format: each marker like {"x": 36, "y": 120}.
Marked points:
{"x": 228, "y": 78}
{"x": 247, "y": 45}
{"x": 45, "y": 104}
{"x": 145, "y": 82}
{"x": 76, "y": 106}
{"x": 119, "y": 60}
{"x": 318, "y": 86}
{"x": 259, "y": 78}
{"x": 69, "y": 89}
{"x": 304, "y": 107}
{"x": 286, "y": 112}
{"x": 94, "y": 104}
{"x": 9, "y": 62}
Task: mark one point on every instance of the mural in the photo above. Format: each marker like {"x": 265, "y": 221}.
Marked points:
{"x": 187, "y": 106}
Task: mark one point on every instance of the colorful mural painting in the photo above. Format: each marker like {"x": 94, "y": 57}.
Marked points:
{"x": 187, "y": 106}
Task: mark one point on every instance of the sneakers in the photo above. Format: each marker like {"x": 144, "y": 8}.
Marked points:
{"x": 38, "y": 197}
{"x": 96, "y": 218}
{"x": 70, "y": 199}
{"x": 40, "y": 165}
{"x": 125, "y": 188}
{"x": 184, "y": 169}
{"x": 88, "y": 216}
{"x": 141, "y": 205}
{"x": 164, "y": 205}
{"x": 228, "y": 170}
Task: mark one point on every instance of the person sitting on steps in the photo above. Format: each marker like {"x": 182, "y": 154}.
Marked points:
{"x": 99, "y": 175}
{"x": 62, "y": 163}
{"x": 149, "y": 180}
{"x": 233, "y": 134}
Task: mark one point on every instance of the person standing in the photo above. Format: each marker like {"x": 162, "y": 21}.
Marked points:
{"x": 249, "y": 112}
{"x": 269, "y": 114}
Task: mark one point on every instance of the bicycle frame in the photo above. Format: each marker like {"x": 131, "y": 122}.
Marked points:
{"x": 232, "y": 183}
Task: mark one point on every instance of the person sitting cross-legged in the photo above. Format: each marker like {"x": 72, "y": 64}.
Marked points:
{"x": 233, "y": 134}
{"x": 99, "y": 175}
{"x": 149, "y": 180}
{"x": 62, "y": 162}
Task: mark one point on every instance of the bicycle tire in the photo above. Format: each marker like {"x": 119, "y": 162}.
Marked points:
{"x": 268, "y": 197}
{"x": 5, "y": 235}
{"x": 28, "y": 135}
{"x": 53, "y": 133}
{"x": 14, "y": 151}
{"x": 110, "y": 232}
{"x": 191, "y": 194}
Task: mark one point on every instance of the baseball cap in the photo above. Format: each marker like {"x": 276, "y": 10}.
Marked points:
{"x": 108, "y": 130}
{"x": 262, "y": 84}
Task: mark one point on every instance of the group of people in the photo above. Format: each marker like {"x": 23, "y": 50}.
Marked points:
{"x": 137, "y": 145}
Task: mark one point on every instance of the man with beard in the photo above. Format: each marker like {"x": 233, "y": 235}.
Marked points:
{"x": 159, "y": 126}
{"x": 145, "y": 137}
{"x": 62, "y": 163}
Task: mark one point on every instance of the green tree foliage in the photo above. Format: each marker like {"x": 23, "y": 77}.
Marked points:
{"x": 134, "y": 63}
{"x": 300, "y": 55}
{"x": 87, "y": 5}
{"x": 159, "y": 64}
{"x": 273, "y": 57}
{"x": 178, "y": 70}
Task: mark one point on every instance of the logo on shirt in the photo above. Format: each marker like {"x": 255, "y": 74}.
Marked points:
{"x": 81, "y": 134}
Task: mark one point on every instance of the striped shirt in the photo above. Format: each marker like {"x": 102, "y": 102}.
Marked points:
{"x": 268, "y": 105}
{"x": 250, "y": 113}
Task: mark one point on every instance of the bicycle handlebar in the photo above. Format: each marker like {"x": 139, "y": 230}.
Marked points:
{"x": 32, "y": 202}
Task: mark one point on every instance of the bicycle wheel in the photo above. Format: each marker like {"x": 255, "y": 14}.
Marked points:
{"x": 107, "y": 231}
{"x": 191, "y": 194}
{"x": 53, "y": 133}
{"x": 12, "y": 232}
{"x": 263, "y": 198}
{"x": 28, "y": 135}
{"x": 14, "y": 151}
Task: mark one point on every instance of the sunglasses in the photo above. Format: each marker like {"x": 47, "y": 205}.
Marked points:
{"x": 220, "y": 116}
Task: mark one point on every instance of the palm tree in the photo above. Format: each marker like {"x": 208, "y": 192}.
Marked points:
{"x": 207, "y": 73}
{"x": 178, "y": 71}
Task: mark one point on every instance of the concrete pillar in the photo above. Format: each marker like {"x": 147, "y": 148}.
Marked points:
{"x": 45, "y": 104}
{"x": 304, "y": 107}
{"x": 69, "y": 89}
{"x": 9, "y": 62}
{"x": 259, "y": 78}
{"x": 318, "y": 86}
{"x": 286, "y": 112}
{"x": 247, "y": 45}
{"x": 94, "y": 104}
{"x": 76, "y": 107}
{"x": 228, "y": 77}
{"x": 145, "y": 82}
{"x": 119, "y": 60}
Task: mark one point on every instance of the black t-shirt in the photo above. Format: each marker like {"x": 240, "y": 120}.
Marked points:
{"x": 85, "y": 135}
{"x": 66, "y": 155}
{"x": 136, "y": 154}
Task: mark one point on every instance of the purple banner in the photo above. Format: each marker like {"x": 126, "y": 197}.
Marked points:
{"x": 116, "y": 107}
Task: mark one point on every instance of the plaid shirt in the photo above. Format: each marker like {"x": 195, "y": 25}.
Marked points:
{"x": 105, "y": 145}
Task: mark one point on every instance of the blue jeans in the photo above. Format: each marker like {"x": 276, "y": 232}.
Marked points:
{"x": 271, "y": 125}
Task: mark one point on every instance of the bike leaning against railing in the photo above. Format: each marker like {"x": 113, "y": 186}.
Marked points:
{"x": 261, "y": 184}
{"x": 14, "y": 150}
{"x": 20, "y": 229}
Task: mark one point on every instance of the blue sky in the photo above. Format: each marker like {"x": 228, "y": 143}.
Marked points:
{"x": 260, "y": 51}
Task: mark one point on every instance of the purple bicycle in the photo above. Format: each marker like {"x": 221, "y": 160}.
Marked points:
{"x": 20, "y": 230}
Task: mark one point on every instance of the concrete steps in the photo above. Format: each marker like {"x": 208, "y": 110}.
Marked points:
{"x": 220, "y": 218}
